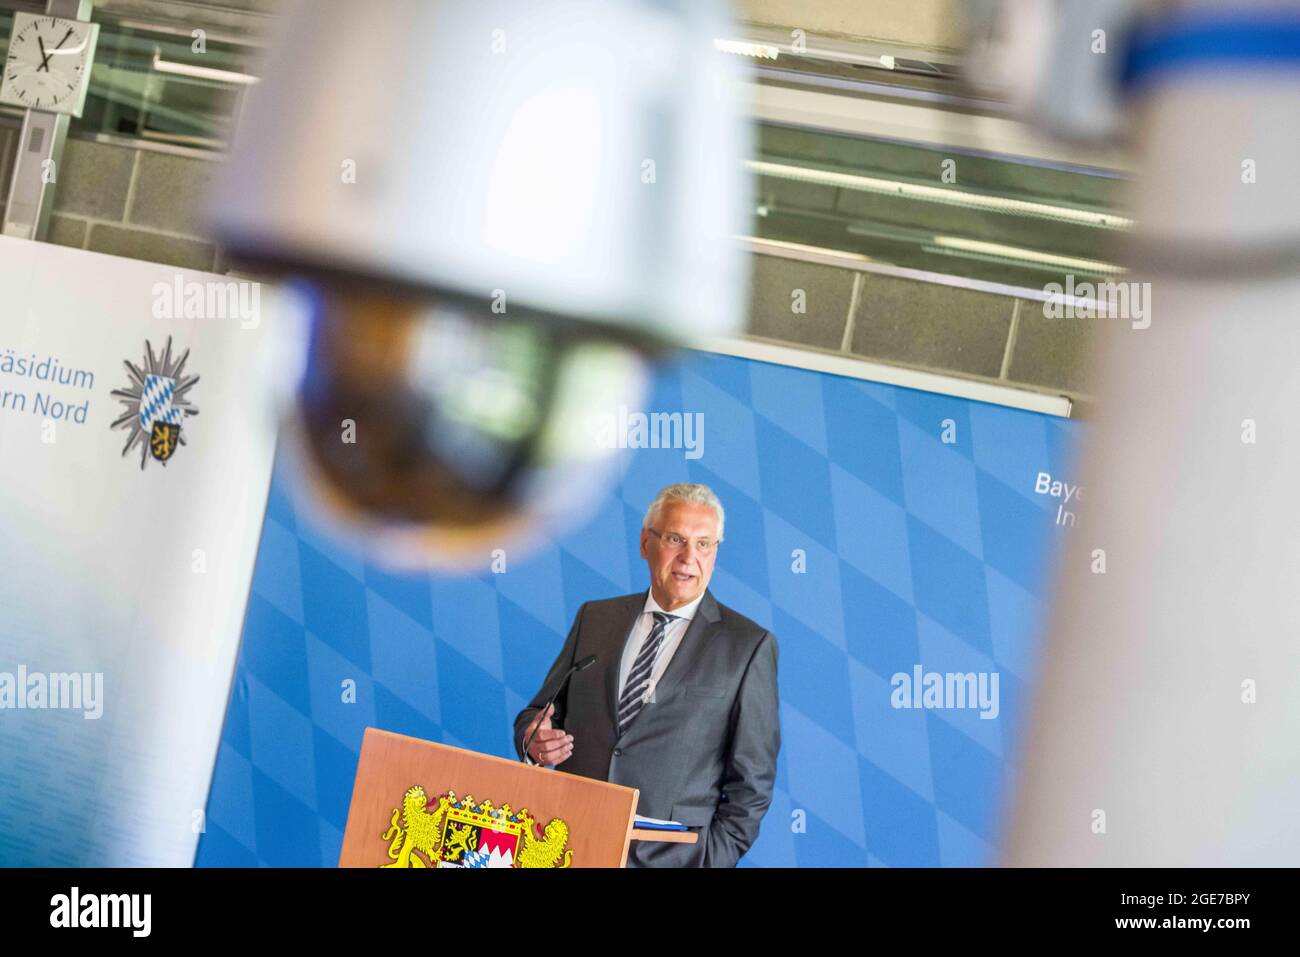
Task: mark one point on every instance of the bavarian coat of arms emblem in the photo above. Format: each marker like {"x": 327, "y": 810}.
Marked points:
{"x": 457, "y": 832}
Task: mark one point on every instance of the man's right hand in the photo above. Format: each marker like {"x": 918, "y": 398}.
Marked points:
{"x": 550, "y": 745}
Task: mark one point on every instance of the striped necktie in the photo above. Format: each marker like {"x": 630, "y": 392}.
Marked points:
{"x": 629, "y": 704}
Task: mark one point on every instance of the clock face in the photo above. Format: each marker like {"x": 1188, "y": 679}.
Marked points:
{"x": 48, "y": 65}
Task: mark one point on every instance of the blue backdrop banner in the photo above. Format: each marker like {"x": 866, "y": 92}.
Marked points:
{"x": 898, "y": 543}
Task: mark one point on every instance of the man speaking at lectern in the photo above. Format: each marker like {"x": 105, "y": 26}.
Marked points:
{"x": 681, "y": 701}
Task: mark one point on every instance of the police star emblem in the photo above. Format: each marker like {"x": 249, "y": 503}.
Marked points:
{"x": 156, "y": 404}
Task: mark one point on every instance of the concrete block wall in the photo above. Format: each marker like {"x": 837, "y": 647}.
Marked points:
{"x": 133, "y": 202}
{"x": 1002, "y": 339}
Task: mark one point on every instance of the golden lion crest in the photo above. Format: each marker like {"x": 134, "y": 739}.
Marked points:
{"x": 457, "y": 832}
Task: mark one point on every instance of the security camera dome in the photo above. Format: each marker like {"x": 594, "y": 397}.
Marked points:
{"x": 501, "y": 211}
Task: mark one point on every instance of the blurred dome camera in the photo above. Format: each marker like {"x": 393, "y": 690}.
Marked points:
{"x": 495, "y": 215}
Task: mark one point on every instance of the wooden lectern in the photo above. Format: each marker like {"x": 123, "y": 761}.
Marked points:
{"x": 420, "y": 804}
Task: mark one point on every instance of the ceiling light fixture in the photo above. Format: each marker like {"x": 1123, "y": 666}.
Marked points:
{"x": 940, "y": 194}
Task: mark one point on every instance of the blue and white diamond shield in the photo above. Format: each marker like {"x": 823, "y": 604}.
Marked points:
{"x": 156, "y": 402}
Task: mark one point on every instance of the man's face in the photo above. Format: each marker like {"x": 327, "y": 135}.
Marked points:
{"x": 679, "y": 575}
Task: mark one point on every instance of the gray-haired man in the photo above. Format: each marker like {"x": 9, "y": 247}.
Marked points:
{"x": 682, "y": 700}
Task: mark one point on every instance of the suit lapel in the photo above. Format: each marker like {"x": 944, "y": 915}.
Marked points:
{"x": 622, "y": 617}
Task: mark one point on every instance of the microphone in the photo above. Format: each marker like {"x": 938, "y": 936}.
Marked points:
{"x": 581, "y": 665}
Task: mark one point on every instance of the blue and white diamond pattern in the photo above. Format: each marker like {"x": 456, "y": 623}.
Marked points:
{"x": 156, "y": 402}
{"x": 915, "y": 551}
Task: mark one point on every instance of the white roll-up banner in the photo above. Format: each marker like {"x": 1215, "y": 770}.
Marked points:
{"x": 135, "y": 457}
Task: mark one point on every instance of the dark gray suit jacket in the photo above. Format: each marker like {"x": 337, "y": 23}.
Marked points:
{"x": 702, "y": 753}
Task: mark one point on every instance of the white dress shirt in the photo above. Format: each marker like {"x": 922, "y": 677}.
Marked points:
{"x": 674, "y": 632}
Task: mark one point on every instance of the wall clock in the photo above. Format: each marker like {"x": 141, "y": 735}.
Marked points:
{"x": 48, "y": 64}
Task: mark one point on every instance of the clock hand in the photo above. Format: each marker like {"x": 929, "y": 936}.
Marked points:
{"x": 45, "y": 62}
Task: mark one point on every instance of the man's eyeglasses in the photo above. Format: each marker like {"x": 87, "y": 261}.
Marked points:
{"x": 675, "y": 542}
